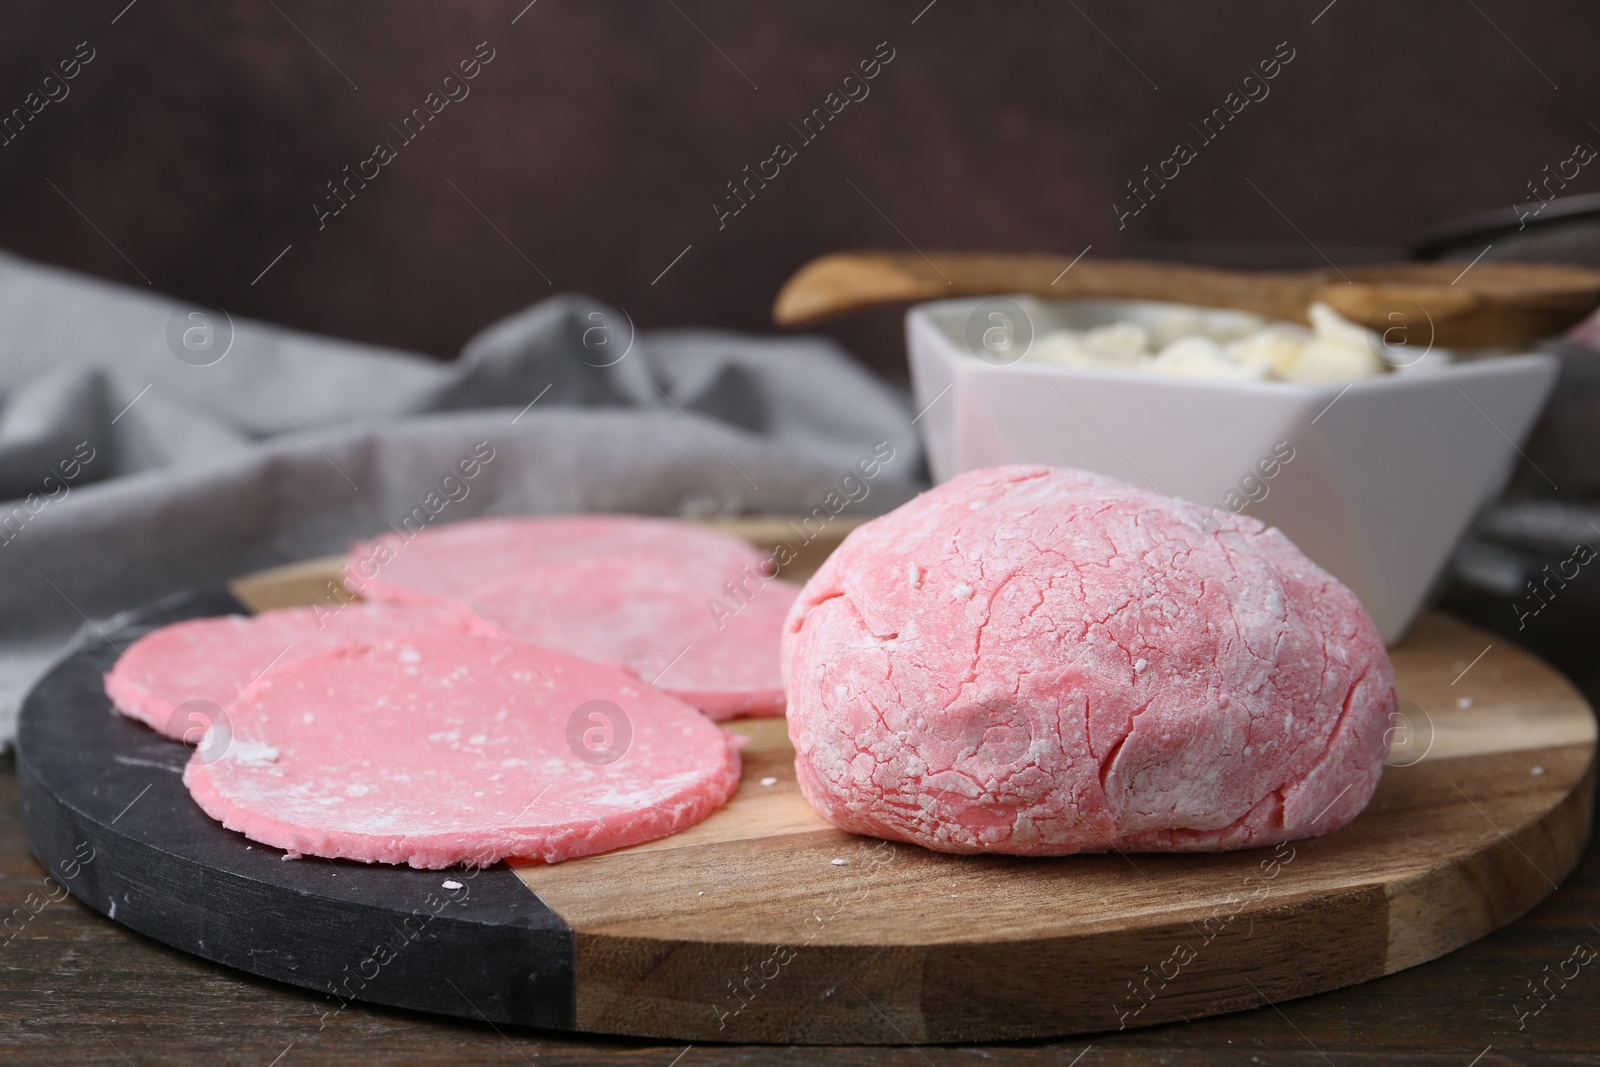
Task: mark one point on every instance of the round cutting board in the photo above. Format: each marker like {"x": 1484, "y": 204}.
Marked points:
{"x": 764, "y": 923}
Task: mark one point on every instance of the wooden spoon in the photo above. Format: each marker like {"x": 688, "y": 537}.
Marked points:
{"x": 1488, "y": 304}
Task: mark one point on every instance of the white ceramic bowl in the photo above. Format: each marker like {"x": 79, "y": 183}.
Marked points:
{"x": 1386, "y": 474}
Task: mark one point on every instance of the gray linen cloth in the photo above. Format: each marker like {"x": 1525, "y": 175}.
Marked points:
{"x": 148, "y": 446}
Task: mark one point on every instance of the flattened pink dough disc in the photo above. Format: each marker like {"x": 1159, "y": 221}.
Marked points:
{"x": 444, "y": 748}
{"x": 1040, "y": 661}
{"x": 616, "y": 588}
{"x": 214, "y": 658}
{"x": 464, "y": 558}
{"x": 639, "y": 612}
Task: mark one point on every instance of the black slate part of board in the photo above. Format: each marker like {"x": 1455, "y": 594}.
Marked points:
{"x": 105, "y": 810}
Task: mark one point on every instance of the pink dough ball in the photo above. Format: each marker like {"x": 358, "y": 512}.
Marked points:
{"x": 1040, "y": 661}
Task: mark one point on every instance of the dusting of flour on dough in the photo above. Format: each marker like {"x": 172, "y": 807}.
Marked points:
{"x": 253, "y": 753}
{"x": 396, "y": 767}
{"x": 1008, "y": 720}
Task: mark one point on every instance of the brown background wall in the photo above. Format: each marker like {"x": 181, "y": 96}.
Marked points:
{"x": 598, "y": 138}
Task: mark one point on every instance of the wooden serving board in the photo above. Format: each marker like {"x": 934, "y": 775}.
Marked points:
{"x": 764, "y": 923}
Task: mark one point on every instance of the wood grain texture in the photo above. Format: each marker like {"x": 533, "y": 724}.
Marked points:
{"x": 747, "y": 928}
{"x": 744, "y": 928}
{"x": 1494, "y": 304}
{"x": 82, "y": 991}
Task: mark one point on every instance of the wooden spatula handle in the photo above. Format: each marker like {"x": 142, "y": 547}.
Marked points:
{"x": 846, "y": 282}
{"x": 1491, "y": 304}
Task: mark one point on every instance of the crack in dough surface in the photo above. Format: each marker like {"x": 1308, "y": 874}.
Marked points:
{"x": 1118, "y": 677}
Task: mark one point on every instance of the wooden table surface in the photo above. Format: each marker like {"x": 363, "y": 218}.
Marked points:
{"x": 77, "y": 988}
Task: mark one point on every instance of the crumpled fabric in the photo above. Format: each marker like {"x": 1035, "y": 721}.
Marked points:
{"x": 149, "y": 446}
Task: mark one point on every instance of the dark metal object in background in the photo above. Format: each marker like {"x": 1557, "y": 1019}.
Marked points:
{"x": 1564, "y": 230}
{"x": 1553, "y": 503}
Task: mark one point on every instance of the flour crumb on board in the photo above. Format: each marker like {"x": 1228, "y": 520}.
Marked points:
{"x": 840, "y": 862}
{"x": 450, "y": 884}
{"x": 769, "y": 780}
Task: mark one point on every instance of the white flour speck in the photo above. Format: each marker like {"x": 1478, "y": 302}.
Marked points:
{"x": 769, "y": 781}
{"x": 290, "y": 856}
{"x": 253, "y": 753}
{"x": 1464, "y": 702}
{"x": 1537, "y": 770}
{"x": 914, "y": 575}
{"x": 451, "y": 883}
{"x": 840, "y": 862}
{"x": 357, "y": 790}
{"x": 1139, "y": 665}
{"x": 963, "y": 592}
